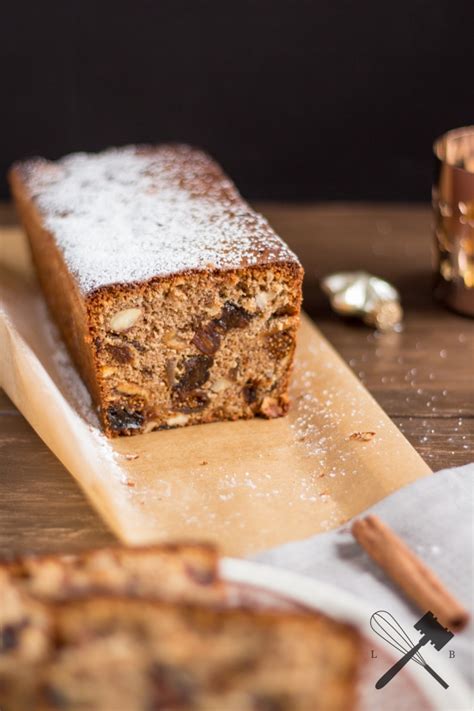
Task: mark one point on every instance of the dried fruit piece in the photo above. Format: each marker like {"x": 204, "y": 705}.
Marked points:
{"x": 137, "y": 345}
{"x": 286, "y": 310}
{"x": 207, "y": 339}
{"x": 232, "y": 316}
{"x": 123, "y": 320}
{"x": 264, "y": 702}
{"x": 250, "y": 392}
{"x": 10, "y": 637}
{"x": 120, "y": 353}
{"x": 107, "y": 371}
{"x": 201, "y": 574}
{"x": 54, "y": 697}
{"x": 171, "y": 687}
{"x": 195, "y": 372}
{"x": 234, "y": 370}
{"x": 362, "y": 436}
{"x": 121, "y": 420}
{"x": 279, "y": 344}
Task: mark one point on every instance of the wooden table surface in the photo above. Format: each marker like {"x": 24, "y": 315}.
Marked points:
{"x": 422, "y": 377}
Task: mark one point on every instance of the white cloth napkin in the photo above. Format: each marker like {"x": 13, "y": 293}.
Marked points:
{"x": 435, "y": 516}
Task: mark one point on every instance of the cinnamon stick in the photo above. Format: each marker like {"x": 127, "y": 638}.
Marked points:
{"x": 417, "y": 581}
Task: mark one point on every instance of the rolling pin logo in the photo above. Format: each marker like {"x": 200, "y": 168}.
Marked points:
{"x": 386, "y": 626}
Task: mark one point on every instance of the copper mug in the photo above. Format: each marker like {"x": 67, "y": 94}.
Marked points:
{"x": 453, "y": 204}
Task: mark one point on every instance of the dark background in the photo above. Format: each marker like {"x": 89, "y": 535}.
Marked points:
{"x": 297, "y": 99}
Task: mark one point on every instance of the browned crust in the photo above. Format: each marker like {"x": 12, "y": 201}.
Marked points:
{"x": 63, "y": 296}
{"x": 176, "y": 547}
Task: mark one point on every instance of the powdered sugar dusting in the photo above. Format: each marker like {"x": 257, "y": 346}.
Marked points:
{"x": 129, "y": 214}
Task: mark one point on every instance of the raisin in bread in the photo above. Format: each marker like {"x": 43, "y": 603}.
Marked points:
{"x": 178, "y": 303}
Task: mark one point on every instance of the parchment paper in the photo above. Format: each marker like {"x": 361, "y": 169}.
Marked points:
{"x": 247, "y": 485}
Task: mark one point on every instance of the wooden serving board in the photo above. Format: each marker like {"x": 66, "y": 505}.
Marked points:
{"x": 247, "y": 485}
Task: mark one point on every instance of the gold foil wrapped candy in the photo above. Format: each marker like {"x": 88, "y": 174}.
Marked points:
{"x": 360, "y": 294}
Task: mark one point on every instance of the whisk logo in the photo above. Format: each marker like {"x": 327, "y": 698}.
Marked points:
{"x": 386, "y": 626}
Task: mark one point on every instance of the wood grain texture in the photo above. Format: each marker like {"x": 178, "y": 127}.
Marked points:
{"x": 42, "y": 508}
{"x": 422, "y": 377}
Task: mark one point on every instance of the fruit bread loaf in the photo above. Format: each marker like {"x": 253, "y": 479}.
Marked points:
{"x": 174, "y": 572}
{"x": 129, "y": 655}
{"x": 178, "y": 303}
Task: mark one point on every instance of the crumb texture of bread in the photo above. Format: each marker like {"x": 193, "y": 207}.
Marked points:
{"x": 154, "y": 627}
{"x": 181, "y": 571}
{"x": 134, "y": 655}
{"x": 178, "y": 303}
{"x": 184, "y": 572}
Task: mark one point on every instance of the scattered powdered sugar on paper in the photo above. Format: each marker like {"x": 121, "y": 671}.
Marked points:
{"x": 108, "y": 455}
{"x": 321, "y": 428}
{"x": 322, "y": 468}
{"x": 129, "y": 214}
